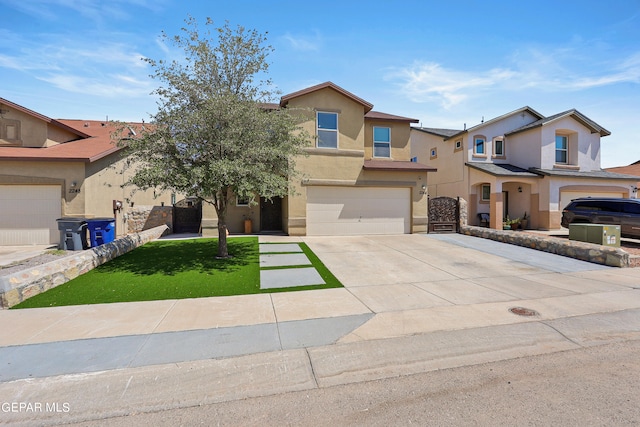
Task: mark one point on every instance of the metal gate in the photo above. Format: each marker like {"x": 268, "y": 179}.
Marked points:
{"x": 187, "y": 216}
{"x": 444, "y": 214}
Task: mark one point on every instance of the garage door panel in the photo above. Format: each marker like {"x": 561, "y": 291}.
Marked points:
{"x": 567, "y": 196}
{"x": 361, "y": 210}
{"x": 28, "y": 215}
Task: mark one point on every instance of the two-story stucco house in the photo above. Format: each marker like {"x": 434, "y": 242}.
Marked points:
{"x": 55, "y": 168}
{"x": 521, "y": 162}
{"x": 358, "y": 177}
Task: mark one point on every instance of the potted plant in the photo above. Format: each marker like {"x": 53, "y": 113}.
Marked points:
{"x": 524, "y": 221}
{"x": 506, "y": 224}
{"x": 248, "y": 223}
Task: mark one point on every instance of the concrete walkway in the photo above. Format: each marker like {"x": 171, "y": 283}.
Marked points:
{"x": 411, "y": 303}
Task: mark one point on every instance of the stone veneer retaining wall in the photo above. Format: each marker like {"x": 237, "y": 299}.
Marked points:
{"x": 19, "y": 286}
{"x": 605, "y": 255}
{"x": 145, "y": 217}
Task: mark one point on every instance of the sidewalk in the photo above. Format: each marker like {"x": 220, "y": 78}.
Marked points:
{"x": 411, "y": 303}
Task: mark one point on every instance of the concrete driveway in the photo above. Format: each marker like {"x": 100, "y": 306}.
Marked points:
{"x": 411, "y": 304}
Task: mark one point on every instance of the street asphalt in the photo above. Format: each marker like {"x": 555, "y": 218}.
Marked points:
{"x": 410, "y": 304}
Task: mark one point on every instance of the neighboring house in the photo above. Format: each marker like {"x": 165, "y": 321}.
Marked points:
{"x": 521, "y": 162}
{"x": 54, "y": 168}
{"x": 358, "y": 177}
{"x": 632, "y": 169}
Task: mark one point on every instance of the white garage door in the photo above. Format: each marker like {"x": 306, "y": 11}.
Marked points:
{"x": 28, "y": 214}
{"x": 567, "y": 196}
{"x": 341, "y": 211}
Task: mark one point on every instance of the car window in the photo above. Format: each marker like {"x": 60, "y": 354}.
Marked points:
{"x": 632, "y": 208}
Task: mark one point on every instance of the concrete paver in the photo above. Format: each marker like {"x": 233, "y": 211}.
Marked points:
{"x": 283, "y": 260}
{"x": 290, "y": 277}
{"x": 281, "y": 247}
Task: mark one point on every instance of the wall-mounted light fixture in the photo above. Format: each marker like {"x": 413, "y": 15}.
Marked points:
{"x": 424, "y": 186}
{"x": 73, "y": 184}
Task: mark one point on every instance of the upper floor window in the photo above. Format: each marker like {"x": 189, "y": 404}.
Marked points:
{"x": 327, "y": 128}
{"x": 562, "y": 149}
{"x": 479, "y": 145}
{"x": 434, "y": 153}
{"x": 458, "y": 146}
{"x": 381, "y": 142}
{"x": 498, "y": 147}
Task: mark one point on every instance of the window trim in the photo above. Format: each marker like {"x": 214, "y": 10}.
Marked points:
{"x": 495, "y": 153}
{"x": 433, "y": 153}
{"x": 477, "y": 138}
{"x": 318, "y": 129}
{"x": 4, "y": 125}
{"x": 565, "y": 150}
{"x": 381, "y": 142}
{"x": 458, "y": 146}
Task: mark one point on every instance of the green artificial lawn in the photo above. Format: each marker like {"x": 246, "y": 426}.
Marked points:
{"x": 173, "y": 269}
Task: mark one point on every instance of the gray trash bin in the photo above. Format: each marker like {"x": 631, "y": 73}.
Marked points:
{"x": 73, "y": 234}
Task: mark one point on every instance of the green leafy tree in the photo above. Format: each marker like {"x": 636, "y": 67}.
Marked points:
{"x": 214, "y": 135}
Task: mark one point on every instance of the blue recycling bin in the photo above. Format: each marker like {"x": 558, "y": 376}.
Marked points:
{"x": 101, "y": 230}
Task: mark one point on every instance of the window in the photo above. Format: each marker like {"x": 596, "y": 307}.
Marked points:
{"x": 10, "y": 131}
{"x": 486, "y": 192}
{"x": 562, "y": 149}
{"x": 478, "y": 145}
{"x": 498, "y": 147}
{"x": 327, "y": 130}
{"x": 242, "y": 201}
{"x": 433, "y": 154}
{"x": 381, "y": 142}
{"x": 458, "y": 146}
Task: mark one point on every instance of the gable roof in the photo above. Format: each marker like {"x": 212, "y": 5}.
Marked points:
{"x": 445, "y": 133}
{"x": 286, "y": 98}
{"x": 524, "y": 109}
{"x": 632, "y": 169}
{"x": 97, "y": 145}
{"x": 42, "y": 117}
{"x": 573, "y": 113}
{"x": 377, "y": 115}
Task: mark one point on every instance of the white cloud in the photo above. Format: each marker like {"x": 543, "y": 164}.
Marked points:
{"x": 302, "y": 43}
{"x": 559, "y": 71}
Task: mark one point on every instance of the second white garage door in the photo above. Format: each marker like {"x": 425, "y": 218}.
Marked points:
{"x": 567, "y": 196}
{"x": 341, "y": 211}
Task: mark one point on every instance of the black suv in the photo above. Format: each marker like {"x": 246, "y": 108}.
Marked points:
{"x": 608, "y": 211}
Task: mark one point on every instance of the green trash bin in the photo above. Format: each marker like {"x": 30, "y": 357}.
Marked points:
{"x": 73, "y": 234}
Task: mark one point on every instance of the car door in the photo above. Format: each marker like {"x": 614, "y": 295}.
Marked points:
{"x": 608, "y": 212}
{"x": 630, "y": 219}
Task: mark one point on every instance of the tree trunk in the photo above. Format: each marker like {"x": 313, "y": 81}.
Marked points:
{"x": 221, "y": 211}
{"x": 223, "y": 251}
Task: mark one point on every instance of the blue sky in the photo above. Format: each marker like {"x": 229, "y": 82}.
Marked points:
{"x": 446, "y": 64}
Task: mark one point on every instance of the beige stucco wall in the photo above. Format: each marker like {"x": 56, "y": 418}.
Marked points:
{"x": 450, "y": 178}
{"x": 34, "y": 132}
{"x": 104, "y": 183}
{"x": 400, "y": 139}
{"x": 584, "y": 146}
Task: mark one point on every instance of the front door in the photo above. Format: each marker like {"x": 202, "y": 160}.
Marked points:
{"x": 505, "y": 204}
{"x": 271, "y": 214}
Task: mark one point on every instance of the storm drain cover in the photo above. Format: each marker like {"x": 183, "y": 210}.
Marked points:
{"x": 521, "y": 311}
